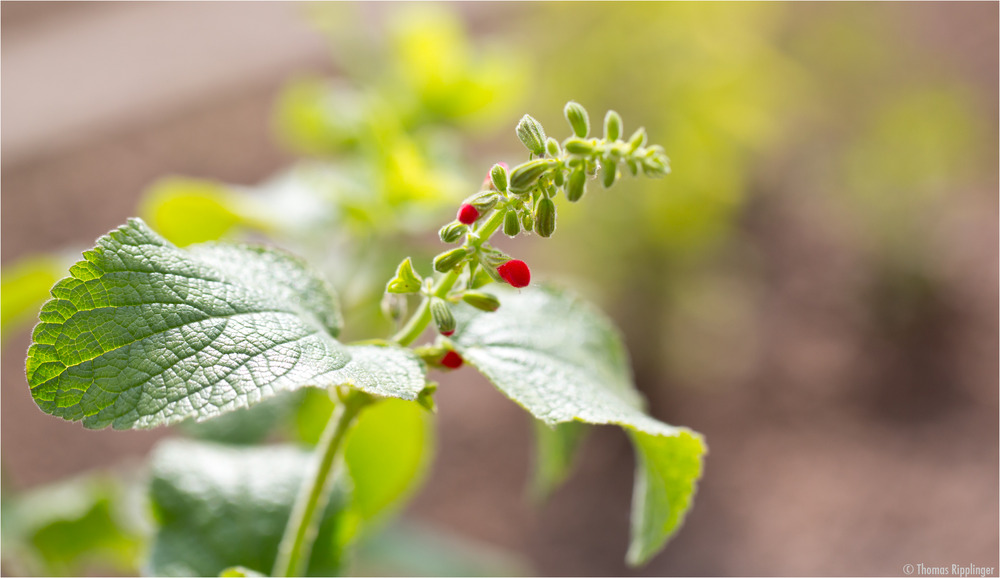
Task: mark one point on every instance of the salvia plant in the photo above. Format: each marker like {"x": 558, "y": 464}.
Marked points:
{"x": 144, "y": 333}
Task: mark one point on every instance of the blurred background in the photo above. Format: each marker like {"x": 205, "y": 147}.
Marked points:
{"x": 814, "y": 288}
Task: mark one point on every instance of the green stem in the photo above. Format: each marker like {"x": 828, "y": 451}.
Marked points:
{"x": 296, "y": 544}
{"x": 422, "y": 316}
{"x": 490, "y": 226}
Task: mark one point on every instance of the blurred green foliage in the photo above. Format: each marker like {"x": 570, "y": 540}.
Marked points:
{"x": 710, "y": 85}
{"x": 752, "y": 102}
{"x": 189, "y": 211}
{"x": 555, "y": 449}
{"x": 408, "y": 548}
{"x": 25, "y": 285}
{"x": 384, "y": 152}
{"x": 218, "y": 506}
{"x": 83, "y": 525}
{"x": 387, "y": 454}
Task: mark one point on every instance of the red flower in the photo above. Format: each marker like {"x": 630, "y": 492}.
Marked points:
{"x": 448, "y": 333}
{"x": 451, "y": 360}
{"x": 515, "y": 272}
{"x": 467, "y": 214}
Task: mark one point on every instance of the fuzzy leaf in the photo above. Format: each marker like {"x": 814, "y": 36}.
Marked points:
{"x": 221, "y": 506}
{"x": 562, "y": 360}
{"x": 144, "y": 334}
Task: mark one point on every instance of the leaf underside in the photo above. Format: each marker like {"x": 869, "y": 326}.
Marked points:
{"x": 556, "y": 447}
{"x": 144, "y": 334}
{"x": 562, "y": 361}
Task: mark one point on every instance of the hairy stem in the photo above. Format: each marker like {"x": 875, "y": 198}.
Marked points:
{"x": 297, "y": 542}
{"x": 422, "y": 316}
{"x": 490, "y": 226}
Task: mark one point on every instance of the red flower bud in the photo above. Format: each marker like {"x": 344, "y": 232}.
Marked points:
{"x": 467, "y": 214}
{"x": 515, "y": 272}
{"x": 488, "y": 181}
{"x": 451, "y": 360}
{"x": 448, "y": 333}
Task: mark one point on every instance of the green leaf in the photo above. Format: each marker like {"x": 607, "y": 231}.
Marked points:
{"x": 245, "y": 426}
{"x": 72, "y": 528}
{"x": 145, "y": 334}
{"x": 220, "y": 506}
{"x": 562, "y": 360}
{"x": 668, "y": 469}
{"x": 387, "y": 453}
{"x": 556, "y": 447}
{"x": 312, "y": 414}
{"x": 188, "y": 211}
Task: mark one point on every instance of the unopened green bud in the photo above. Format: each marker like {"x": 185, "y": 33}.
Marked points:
{"x": 511, "y": 225}
{"x": 442, "y": 316}
{"x": 578, "y": 118}
{"x": 531, "y": 134}
{"x": 482, "y": 301}
{"x": 612, "y": 126}
{"x": 545, "y": 217}
{"x": 452, "y": 232}
{"x": 499, "y": 177}
{"x": 638, "y": 139}
{"x": 449, "y": 259}
{"x": 393, "y": 306}
{"x": 654, "y": 167}
{"x": 527, "y": 221}
{"x": 633, "y": 167}
{"x": 609, "y": 172}
{"x": 525, "y": 175}
{"x": 406, "y": 279}
{"x": 655, "y": 163}
{"x": 484, "y": 201}
{"x": 578, "y": 146}
{"x": 577, "y": 185}
{"x": 552, "y": 147}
